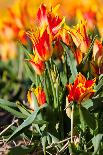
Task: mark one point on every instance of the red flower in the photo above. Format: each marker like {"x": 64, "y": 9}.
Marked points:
{"x": 42, "y": 44}
{"x": 37, "y": 64}
{"x": 40, "y": 95}
{"x": 81, "y": 90}
{"x": 50, "y": 19}
{"x": 98, "y": 53}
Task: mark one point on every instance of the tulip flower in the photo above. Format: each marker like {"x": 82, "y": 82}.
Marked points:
{"x": 40, "y": 96}
{"x": 81, "y": 90}
{"x": 42, "y": 44}
{"x": 37, "y": 64}
{"x": 89, "y": 15}
{"x": 49, "y": 18}
{"x": 98, "y": 52}
{"x": 97, "y": 61}
{"x": 80, "y": 37}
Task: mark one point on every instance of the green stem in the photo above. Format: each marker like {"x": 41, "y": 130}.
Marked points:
{"x": 45, "y": 88}
{"x": 52, "y": 84}
{"x": 72, "y": 123}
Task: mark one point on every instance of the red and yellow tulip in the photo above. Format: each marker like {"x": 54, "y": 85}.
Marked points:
{"x": 81, "y": 90}
{"x": 98, "y": 52}
{"x": 37, "y": 64}
{"x": 40, "y": 96}
{"x": 50, "y": 18}
{"x": 42, "y": 44}
{"x": 80, "y": 37}
{"x": 97, "y": 60}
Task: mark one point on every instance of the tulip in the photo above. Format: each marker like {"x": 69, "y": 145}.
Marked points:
{"x": 98, "y": 53}
{"x": 37, "y": 64}
{"x": 49, "y": 18}
{"x": 81, "y": 90}
{"x": 80, "y": 37}
{"x": 40, "y": 96}
{"x": 42, "y": 44}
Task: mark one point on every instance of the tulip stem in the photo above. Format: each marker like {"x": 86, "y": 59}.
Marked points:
{"x": 72, "y": 123}
{"x": 52, "y": 85}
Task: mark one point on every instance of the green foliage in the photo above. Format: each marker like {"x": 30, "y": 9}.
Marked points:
{"x": 71, "y": 61}
{"x": 86, "y": 117}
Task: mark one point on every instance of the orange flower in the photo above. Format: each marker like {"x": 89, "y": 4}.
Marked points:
{"x": 40, "y": 95}
{"x": 17, "y": 19}
{"x": 15, "y": 23}
{"x": 49, "y": 18}
{"x": 79, "y": 36}
{"x": 78, "y": 55}
{"x": 98, "y": 53}
{"x": 8, "y": 50}
{"x": 42, "y": 15}
{"x": 42, "y": 44}
{"x": 81, "y": 90}
{"x": 37, "y": 64}
{"x": 89, "y": 15}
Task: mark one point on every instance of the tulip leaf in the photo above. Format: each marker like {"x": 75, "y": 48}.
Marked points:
{"x": 13, "y": 111}
{"x": 96, "y": 142}
{"x": 87, "y": 104}
{"x": 7, "y": 103}
{"x": 99, "y": 86}
{"x": 23, "y": 109}
{"x": 21, "y": 150}
{"x": 29, "y": 73}
{"x": 63, "y": 77}
{"x": 87, "y": 118}
{"x": 44, "y": 140}
{"x": 71, "y": 61}
{"x": 27, "y": 122}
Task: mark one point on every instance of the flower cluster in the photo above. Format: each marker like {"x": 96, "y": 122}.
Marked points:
{"x": 47, "y": 33}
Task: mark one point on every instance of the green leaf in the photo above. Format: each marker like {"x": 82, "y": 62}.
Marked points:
{"x": 71, "y": 61}
{"x": 46, "y": 89}
{"x": 23, "y": 48}
{"x": 96, "y": 142}
{"x": 27, "y": 122}
{"x": 55, "y": 139}
{"x": 97, "y": 104}
{"x": 22, "y": 109}
{"x": 63, "y": 78}
{"x": 87, "y": 104}
{"x": 39, "y": 122}
{"x": 87, "y": 117}
{"x": 7, "y": 103}
{"x": 49, "y": 139}
{"x": 44, "y": 139}
{"x": 99, "y": 86}
{"x": 13, "y": 112}
{"x": 21, "y": 150}
{"x": 30, "y": 74}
